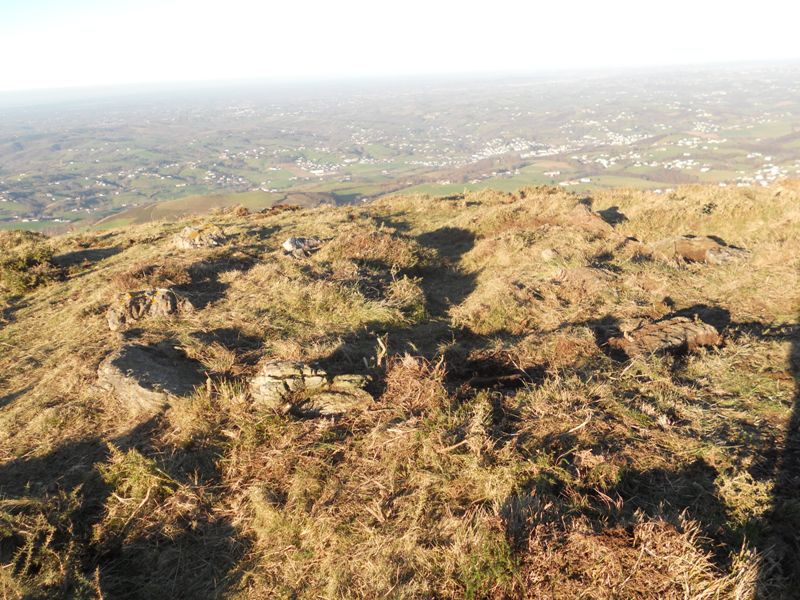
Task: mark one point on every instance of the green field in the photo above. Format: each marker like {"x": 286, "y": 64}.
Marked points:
{"x": 173, "y": 209}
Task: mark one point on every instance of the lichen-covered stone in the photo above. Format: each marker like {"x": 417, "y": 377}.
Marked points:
{"x": 300, "y": 388}
{"x": 675, "y": 335}
{"x": 301, "y": 247}
{"x": 146, "y": 378}
{"x": 203, "y": 236}
{"x": 134, "y": 306}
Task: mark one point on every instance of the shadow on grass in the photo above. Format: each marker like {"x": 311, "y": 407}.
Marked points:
{"x": 612, "y": 215}
{"x": 194, "y": 557}
{"x": 7, "y": 313}
{"x": 692, "y": 491}
{"x": 473, "y": 361}
{"x": 451, "y": 286}
{"x": 89, "y": 255}
{"x": 9, "y": 398}
{"x": 205, "y": 287}
{"x": 247, "y": 347}
{"x": 780, "y": 544}
{"x": 470, "y": 359}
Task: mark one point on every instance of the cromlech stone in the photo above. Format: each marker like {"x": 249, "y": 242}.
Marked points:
{"x": 301, "y": 247}
{"x": 675, "y": 335}
{"x": 203, "y": 236}
{"x": 707, "y": 250}
{"x": 584, "y": 278}
{"x": 134, "y": 306}
{"x": 146, "y": 378}
{"x": 290, "y": 386}
{"x": 582, "y": 217}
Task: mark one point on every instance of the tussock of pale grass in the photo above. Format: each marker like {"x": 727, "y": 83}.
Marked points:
{"x": 649, "y": 559}
{"x": 406, "y": 295}
{"x": 147, "y": 276}
{"x": 415, "y": 385}
{"x": 377, "y": 245}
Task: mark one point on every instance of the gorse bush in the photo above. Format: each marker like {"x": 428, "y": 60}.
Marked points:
{"x": 26, "y": 261}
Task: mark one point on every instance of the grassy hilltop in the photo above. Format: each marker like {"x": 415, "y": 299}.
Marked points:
{"x": 507, "y": 451}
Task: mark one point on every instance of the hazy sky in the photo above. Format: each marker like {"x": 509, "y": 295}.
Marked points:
{"x": 65, "y": 43}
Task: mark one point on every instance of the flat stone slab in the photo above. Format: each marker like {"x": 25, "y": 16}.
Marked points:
{"x": 202, "y": 236}
{"x": 146, "y": 378}
{"x": 290, "y": 386}
{"x": 675, "y": 335}
{"x": 134, "y": 306}
{"x": 706, "y": 250}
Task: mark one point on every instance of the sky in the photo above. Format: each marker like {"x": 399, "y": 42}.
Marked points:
{"x": 76, "y": 43}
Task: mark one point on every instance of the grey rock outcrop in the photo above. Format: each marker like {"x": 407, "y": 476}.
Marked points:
{"x": 675, "y": 335}
{"x": 301, "y": 247}
{"x": 146, "y": 378}
{"x": 203, "y": 236}
{"x": 303, "y": 389}
{"x": 134, "y": 306}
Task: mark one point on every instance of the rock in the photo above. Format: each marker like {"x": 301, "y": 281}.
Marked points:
{"x": 300, "y": 388}
{"x": 587, "y": 459}
{"x": 301, "y": 247}
{"x": 633, "y": 249}
{"x": 146, "y": 378}
{"x": 548, "y": 254}
{"x": 675, "y": 335}
{"x": 585, "y": 278}
{"x": 134, "y": 306}
{"x": 203, "y": 236}
{"x": 582, "y": 217}
{"x": 707, "y": 250}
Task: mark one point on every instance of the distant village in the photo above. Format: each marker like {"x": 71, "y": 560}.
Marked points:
{"x": 611, "y": 138}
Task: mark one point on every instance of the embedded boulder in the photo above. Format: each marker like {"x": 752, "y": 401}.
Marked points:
{"x": 203, "y": 236}
{"x": 583, "y": 218}
{"x": 584, "y": 278}
{"x": 706, "y": 250}
{"x": 675, "y": 335}
{"x": 290, "y": 386}
{"x": 301, "y": 247}
{"x": 135, "y": 306}
{"x": 146, "y": 378}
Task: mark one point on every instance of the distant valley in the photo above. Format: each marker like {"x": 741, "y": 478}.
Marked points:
{"x": 122, "y": 159}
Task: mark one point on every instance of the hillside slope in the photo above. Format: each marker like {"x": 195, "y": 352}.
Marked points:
{"x": 182, "y": 208}
{"x": 518, "y": 437}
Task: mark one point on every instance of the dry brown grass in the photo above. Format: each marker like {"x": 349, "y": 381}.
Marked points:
{"x": 166, "y": 274}
{"x": 508, "y": 453}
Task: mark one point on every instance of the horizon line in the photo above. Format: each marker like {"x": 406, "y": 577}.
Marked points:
{"x": 399, "y": 77}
